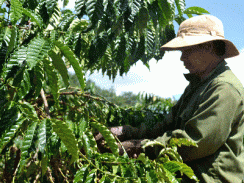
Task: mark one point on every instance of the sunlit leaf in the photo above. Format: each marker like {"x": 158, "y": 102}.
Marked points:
{"x": 81, "y": 174}
{"x": 15, "y": 11}
{"x": 182, "y": 142}
{"x": 37, "y": 50}
{"x": 109, "y": 138}
{"x": 195, "y": 10}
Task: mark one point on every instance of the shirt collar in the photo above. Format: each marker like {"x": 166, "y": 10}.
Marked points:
{"x": 194, "y": 79}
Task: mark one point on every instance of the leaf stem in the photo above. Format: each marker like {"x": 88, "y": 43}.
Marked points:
{"x": 63, "y": 175}
{"x": 45, "y": 102}
{"x": 50, "y": 175}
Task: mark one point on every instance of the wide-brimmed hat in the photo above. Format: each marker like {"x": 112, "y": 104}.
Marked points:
{"x": 201, "y": 29}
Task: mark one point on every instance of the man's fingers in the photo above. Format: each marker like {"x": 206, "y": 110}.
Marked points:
{"x": 99, "y": 137}
{"x": 132, "y": 147}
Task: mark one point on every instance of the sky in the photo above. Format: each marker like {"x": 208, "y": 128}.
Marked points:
{"x": 165, "y": 78}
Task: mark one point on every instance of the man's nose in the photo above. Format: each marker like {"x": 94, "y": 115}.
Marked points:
{"x": 183, "y": 56}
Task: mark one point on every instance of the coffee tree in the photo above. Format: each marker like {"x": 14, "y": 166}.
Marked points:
{"x": 47, "y": 130}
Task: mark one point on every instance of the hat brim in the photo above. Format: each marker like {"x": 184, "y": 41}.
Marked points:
{"x": 180, "y": 43}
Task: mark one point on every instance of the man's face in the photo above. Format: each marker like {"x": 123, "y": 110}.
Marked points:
{"x": 197, "y": 59}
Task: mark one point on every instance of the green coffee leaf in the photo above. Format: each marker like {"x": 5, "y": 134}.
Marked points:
{"x": 86, "y": 144}
{"x": 15, "y": 11}
{"x": 29, "y": 135}
{"x": 195, "y": 10}
{"x": 81, "y": 174}
{"x": 168, "y": 176}
{"x": 53, "y": 79}
{"x": 90, "y": 177}
{"x": 153, "y": 143}
{"x": 180, "y": 6}
{"x": 44, "y": 164}
{"x": 37, "y": 49}
{"x": 8, "y": 135}
{"x": 34, "y": 17}
{"x": 187, "y": 171}
{"x": 60, "y": 66}
{"x": 172, "y": 153}
{"x": 67, "y": 52}
{"x": 182, "y": 142}
{"x": 109, "y": 138}
{"x": 172, "y": 166}
{"x": 67, "y": 137}
{"x": 42, "y": 137}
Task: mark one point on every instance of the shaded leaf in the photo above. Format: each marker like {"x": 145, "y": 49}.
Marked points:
{"x": 95, "y": 11}
{"x": 38, "y": 78}
{"x": 66, "y": 51}
{"x": 8, "y": 135}
{"x": 34, "y": 17}
{"x": 52, "y": 78}
{"x": 180, "y": 6}
{"x": 60, "y": 66}
{"x": 135, "y": 6}
{"x": 28, "y": 111}
{"x": 27, "y": 143}
{"x": 67, "y": 137}
{"x": 44, "y": 165}
{"x": 80, "y": 8}
{"x": 153, "y": 143}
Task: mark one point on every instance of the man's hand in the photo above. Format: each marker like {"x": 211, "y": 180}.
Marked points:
{"x": 132, "y": 147}
{"x": 123, "y": 133}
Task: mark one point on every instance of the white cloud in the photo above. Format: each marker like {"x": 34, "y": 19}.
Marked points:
{"x": 164, "y": 79}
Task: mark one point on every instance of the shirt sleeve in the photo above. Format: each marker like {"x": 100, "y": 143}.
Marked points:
{"x": 211, "y": 123}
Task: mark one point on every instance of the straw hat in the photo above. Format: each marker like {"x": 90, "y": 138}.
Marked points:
{"x": 201, "y": 29}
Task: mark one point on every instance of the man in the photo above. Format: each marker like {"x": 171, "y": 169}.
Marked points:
{"x": 210, "y": 111}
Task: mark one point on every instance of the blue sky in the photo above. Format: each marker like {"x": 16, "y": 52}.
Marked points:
{"x": 165, "y": 77}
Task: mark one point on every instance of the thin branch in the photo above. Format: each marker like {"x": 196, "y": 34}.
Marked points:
{"x": 63, "y": 175}
{"x": 50, "y": 175}
{"x": 77, "y": 93}
{"x": 37, "y": 177}
{"x": 45, "y": 102}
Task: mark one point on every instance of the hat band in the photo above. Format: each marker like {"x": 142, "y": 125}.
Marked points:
{"x": 197, "y": 32}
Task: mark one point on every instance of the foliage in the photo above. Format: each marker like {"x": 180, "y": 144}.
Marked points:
{"x": 46, "y": 133}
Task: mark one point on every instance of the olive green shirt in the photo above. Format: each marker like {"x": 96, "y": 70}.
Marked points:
{"x": 210, "y": 112}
